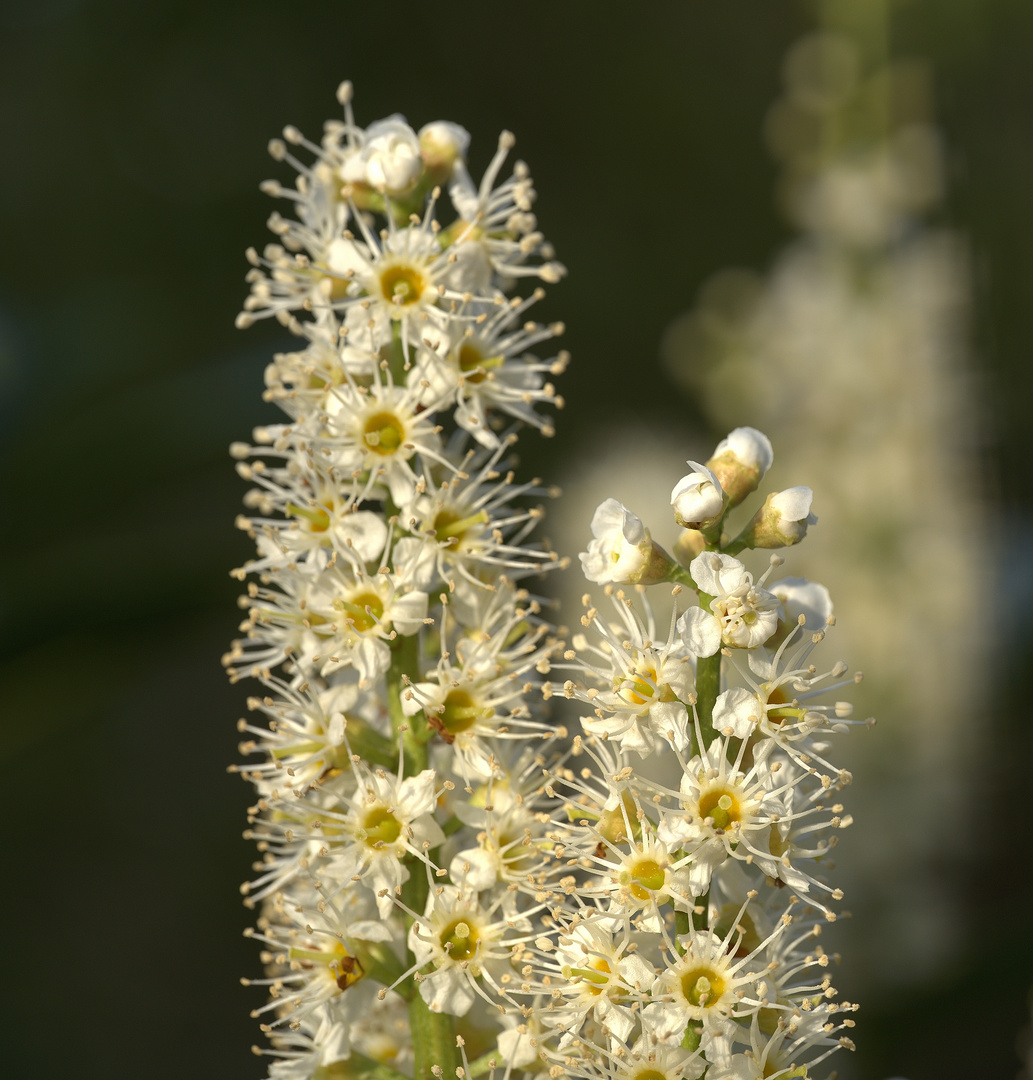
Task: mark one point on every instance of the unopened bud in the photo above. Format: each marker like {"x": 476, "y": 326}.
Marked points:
{"x": 698, "y": 499}
{"x": 782, "y": 520}
{"x": 740, "y": 461}
{"x": 688, "y": 546}
{"x": 442, "y": 144}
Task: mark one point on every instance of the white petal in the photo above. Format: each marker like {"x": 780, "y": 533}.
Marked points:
{"x": 700, "y": 631}
{"x": 670, "y": 719}
{"x": 447, "y": 990}
{"x": 716, "y": 574}
{"x": 475, "y": 868}
{"x": 739, "y": 710}
{"x": 794, "y": 504}
{"x": 417, "y": 794}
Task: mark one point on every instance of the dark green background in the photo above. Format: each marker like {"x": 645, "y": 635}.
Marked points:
{"x": 133, "y": 139}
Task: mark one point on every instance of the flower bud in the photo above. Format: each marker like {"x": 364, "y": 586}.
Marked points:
{"x": 442, "y": 144}
{"x": 782, "y": 520}
{"x": 740, "y": 461}
{"x": 690, "y": 544}
{"x": 698, "y": 499}
{"x": 622, "y": 551}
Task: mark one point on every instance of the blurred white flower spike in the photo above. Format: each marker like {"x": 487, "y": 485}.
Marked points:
{"x": 441, "y": 869}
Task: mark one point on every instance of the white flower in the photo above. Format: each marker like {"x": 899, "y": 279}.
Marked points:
{"x": 746, "y": 613}
{"x": 462, "y": 940}
{"x": 621, "y": 549}
{"x": 483, "y": 358}
{"x": 387, "y": 819}
{"x": 704, "y": 984}
{"x": 737, "y": 712}
{"x": 605, "y": 980}
{"x": 657, "y": 1061}
{"x": 698, "y": 498}
{"x": 646, "y": 685}
{"x": 389, "y": 160}
{"x": 479, "y": 699}
{"x": 700, "y": 632}
{"x": 398, "y": 646}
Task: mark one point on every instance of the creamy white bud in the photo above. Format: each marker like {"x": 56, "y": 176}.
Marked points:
{"x": 740, "y": 461}
{"x": 782, "y": 520}
{"x": 442, "y": 143}
{"x": 750, "y": 446}
{"x": 698, "y": 499}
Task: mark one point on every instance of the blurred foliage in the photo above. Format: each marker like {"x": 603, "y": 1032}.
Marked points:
{"x": 135, "y": 140}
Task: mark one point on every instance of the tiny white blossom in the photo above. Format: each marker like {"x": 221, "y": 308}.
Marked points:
{"x": 621, "y": 545}
{"x": 746, "y": 613}
{"x": 390, "y": 157}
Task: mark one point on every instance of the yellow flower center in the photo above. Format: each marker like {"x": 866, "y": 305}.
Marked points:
{"x": 450, "y": 529}
{"x": 345, "y": 968}
{"x": 381, "y": 827}
{"x": 460, "y": 940}
{"x": 721, "y": 806}
{"x": 402, "y": 284}
{"x": 364, "y": 611}
{"x": 595, "y": 976}
{"x": 643, "y": 687}
{"x": 460, "y": 712}
{"x": 643, "y": 874}
{"x": 384, "y": 433}
{"x": 474, "y": 364}
{"x": 702, "y": 987}
{"x": 314, "y": 518}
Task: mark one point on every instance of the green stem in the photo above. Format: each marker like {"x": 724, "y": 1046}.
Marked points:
{"x": 680, "y": 575}
{"x": 370, "y": 744}
{"x": 682, "y": 926}
{"x": 412, "y": 730}
{"x": 396, "y": 358}
{"x": 708, "y": 686}
{"x": 433, "y": 1034}
{"x": 693, "y": 1035}
{"x": 733, "y": 547}
{"x": 433, "y": 1040}
{"x": 358, "y": 1067}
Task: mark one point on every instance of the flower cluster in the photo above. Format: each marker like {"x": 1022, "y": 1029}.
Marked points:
{"x": 447, "y": 886}
{"x": 389, "y": 622}
{"x": 687, "y": 930}
{"x": 865, "y": 308}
